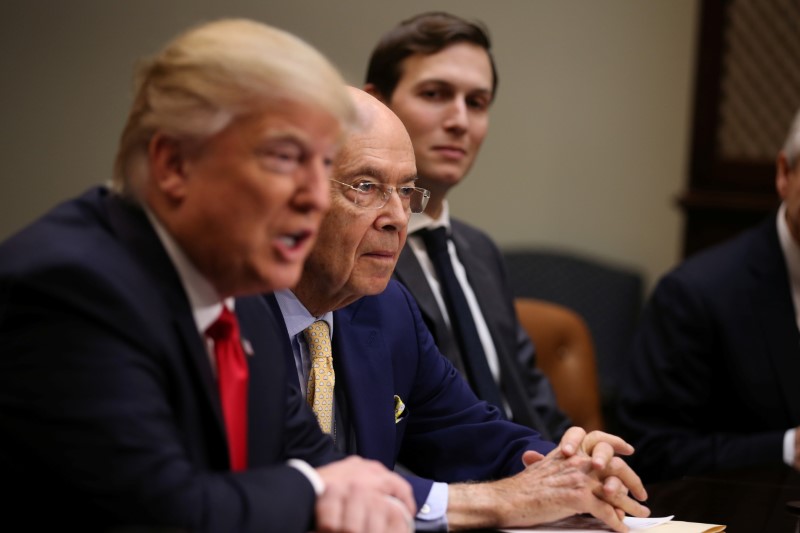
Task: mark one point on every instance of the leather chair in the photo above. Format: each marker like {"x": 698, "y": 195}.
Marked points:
{"x": 565, "y": 354}
{"x": 608, "y": 296}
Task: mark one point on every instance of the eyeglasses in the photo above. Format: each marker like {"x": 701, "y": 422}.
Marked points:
{"x": 370, "y": 195}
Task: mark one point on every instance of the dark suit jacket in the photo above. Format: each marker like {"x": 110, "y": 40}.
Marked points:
{"x": 382, "y": 348}
{"x": 527, "y": 391}
{"x": 109, "y": 412}
{"x": 715, "y": 367}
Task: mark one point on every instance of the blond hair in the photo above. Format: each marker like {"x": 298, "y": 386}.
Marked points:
{"x": 213, "y": 73}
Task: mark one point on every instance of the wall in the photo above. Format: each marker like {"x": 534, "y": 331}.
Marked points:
{"x": 590, "y": 132}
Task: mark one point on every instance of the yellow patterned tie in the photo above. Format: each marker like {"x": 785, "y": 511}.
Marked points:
{"x": 321, "y": 379}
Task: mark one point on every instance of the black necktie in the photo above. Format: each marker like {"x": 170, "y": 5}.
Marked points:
{"x": 478, "y": 372}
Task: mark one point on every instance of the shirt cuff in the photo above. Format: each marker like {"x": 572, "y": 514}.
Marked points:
{"x": 432, "y": 516}
{"x": 311, "y": 474}
{"x": 788, "y": 447}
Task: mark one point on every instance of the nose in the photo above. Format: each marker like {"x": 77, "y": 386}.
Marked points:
{"x": 314, "y": 191}
{"x": 457, "y": 118}
{"x": 394, "y": 215}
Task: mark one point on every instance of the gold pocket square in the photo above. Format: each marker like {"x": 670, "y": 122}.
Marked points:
{"x": 399, "y": 409}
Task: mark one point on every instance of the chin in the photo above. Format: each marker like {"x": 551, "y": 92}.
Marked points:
{"x": 374, "y": 287}
{"x": 281, "y": 278}
{"x": 448, "y": 177}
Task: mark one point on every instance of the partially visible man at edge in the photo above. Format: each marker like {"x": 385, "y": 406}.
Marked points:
{"x": 437, "y": 73}
{"x": 395, "y": 397}
{"x": 120, "y": 363}
{"x": 715, "y": 361}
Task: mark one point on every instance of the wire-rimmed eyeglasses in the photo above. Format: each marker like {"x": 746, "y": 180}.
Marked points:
{"x": 371, "y": 195}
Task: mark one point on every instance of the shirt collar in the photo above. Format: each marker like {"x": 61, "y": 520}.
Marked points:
{"x": 203, "y": 297}
{"x": 791, "y": 250}
{"x": 422, "y": 220}
{"x": 295, "y": 314}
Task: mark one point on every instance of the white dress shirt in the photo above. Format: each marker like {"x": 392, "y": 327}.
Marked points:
{"x": 206, "y": 306}
{"x": 791, "y": 253}
{"x": 420, "y": 221}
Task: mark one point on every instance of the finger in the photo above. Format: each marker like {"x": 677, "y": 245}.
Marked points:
{"x": 571, "y": 441}
{"x": 400, "y": 489}
{"x": 329, "y": 511}
{"x": 400, "y": 520}
{"x": 630, "y": 506}
{"x": 601, "y": 453}
{"x": 618, "y": 444}
{"x": 619, "y": 468}
{"x": 529, "y": 457}
{"x": 614, "y": 493}
{"x": 357, "y": 507}
{"x": 609, "y": 515}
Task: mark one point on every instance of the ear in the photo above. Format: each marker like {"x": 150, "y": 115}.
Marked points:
{"x": 783, "y": 174}
{"x": 372, "y": 90}
{"x": 167, "y": 166}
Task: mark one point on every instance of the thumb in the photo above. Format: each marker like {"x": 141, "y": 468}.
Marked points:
{"x": 529, "y": 457}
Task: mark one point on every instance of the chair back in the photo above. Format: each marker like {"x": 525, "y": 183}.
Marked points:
{"x": 607, "y": 296}
{"x": 565, "y": 354}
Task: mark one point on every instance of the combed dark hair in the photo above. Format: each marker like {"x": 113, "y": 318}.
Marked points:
{"x": 426, "y": 33}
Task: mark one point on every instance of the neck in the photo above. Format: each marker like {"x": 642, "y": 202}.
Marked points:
{"x": 438, "y": 195}
{"x": 318, "y": 302}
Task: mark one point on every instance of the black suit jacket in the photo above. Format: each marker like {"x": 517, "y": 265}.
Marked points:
{"x": 527, "y": 391}
{"x": 715, "y": 368}
{"x": 109, "y": 412}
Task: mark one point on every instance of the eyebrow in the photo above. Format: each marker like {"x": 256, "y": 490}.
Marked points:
{"x": 437, "y": 81}
{"x": 375, "y": 173}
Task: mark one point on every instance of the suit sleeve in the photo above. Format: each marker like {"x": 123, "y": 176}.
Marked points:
{"x": 451, "y": 435}
{"x": 666, "y": 407}
{"x": 91, "y": 429}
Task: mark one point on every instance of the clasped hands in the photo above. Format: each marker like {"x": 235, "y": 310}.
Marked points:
{"x": 584, "y": 474}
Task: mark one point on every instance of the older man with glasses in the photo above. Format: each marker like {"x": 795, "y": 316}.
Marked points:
{"x": 377, "y": 383}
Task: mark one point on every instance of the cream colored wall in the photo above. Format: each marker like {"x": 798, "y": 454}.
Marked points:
{"x": 589, "y": 138}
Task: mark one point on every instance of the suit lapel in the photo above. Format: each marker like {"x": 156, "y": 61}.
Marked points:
{"x": 132, "y": 226}
{"x": 772, "y": 303}
{"x": 409, "y": 272}
{"x": 363, "y": 360}
{"x": 485, "y": 286}
{"x": 267, "y": 385}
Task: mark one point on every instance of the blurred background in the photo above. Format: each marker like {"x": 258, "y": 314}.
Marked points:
{"x": 589, "y": 139}
{"x": 618, "y": 132}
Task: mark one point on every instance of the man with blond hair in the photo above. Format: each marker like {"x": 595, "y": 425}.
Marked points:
{"x": 132, "y": 392}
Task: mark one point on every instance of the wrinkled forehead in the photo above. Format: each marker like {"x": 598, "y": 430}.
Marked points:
{"x": 382, "y": 151}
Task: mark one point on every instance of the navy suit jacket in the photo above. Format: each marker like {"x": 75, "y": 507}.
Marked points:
{"x": 715, "y": 367}
{"x": 382, "y": 349}
{"x": 109, "y": 412}
{"x": 527, "y": 391}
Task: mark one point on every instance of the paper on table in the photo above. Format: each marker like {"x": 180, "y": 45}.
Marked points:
{"x": 589, "y": 524}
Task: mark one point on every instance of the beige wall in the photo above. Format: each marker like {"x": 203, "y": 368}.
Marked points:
{"x": 589, "y": 139}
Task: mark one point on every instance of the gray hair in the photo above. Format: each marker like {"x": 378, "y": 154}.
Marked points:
{"x": 214, "y": 73}
{"x": 791, "y": 148}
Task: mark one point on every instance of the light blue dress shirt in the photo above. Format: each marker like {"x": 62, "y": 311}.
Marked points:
{"x": 432, "y": 516}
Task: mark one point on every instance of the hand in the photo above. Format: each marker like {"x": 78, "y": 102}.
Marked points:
{"x": 548, "y": 489}
{"x": 796, "y": 463}
{"x": 362, "y": 495}
{"x": 603, "y": 448}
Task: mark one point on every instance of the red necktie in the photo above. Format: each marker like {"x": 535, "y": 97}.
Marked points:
{"x": 232, "y": 378}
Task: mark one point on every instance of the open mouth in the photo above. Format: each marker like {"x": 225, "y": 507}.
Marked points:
{"x": 294, "y": 240}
